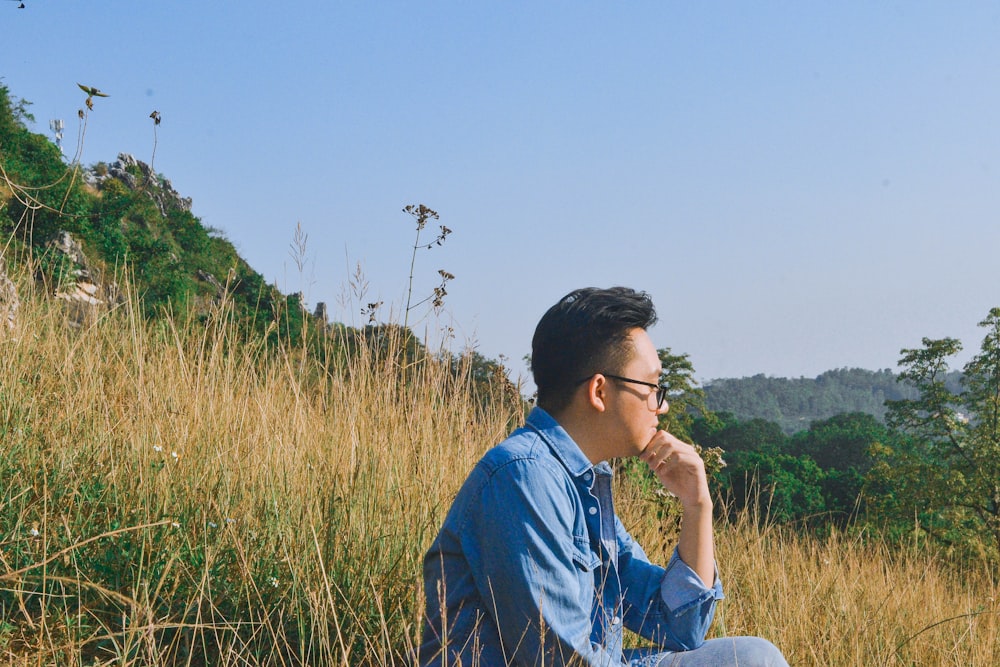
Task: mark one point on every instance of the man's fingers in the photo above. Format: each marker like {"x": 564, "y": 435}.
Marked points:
{"x": 665, "y": 449}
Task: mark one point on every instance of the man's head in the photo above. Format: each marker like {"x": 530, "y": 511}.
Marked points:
{"x": 586, "y": 332}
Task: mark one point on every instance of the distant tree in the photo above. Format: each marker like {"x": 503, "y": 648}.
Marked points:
{"x": 685, "y": 398}
{"x": 946, "y": 475}
{"x": 840, "y": 442}
{"x": 841, "y": 447}
{"x": 760, "y": 472}
{"x": 732, "y": 435}
{"x": 817, "y": 475}
{"x": 783, "y": 487}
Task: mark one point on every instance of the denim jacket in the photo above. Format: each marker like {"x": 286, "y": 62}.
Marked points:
{"x": 532, "y": 567}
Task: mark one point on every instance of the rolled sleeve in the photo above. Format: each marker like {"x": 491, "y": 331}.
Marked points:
{"x": 691, "y": 603}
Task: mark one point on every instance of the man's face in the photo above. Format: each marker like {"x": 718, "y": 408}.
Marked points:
{"x": 633, "y": 406}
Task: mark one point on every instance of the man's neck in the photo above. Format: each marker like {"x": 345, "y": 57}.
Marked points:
{"x": 585, "y": 432}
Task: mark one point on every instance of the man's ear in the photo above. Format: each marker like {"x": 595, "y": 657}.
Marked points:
{"x": 597, "y": 389}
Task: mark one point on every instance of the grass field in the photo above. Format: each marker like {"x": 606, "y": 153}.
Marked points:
{"x": 172, "y": 495}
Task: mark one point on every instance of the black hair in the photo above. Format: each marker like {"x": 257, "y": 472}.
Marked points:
{"x": 585, "y": 333}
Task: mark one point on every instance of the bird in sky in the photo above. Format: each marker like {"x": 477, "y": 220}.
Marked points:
{"x": 91, "y": 94}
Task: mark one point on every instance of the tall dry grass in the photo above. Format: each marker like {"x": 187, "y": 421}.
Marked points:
{"x": 171, "y": 494}
{"x": 847, "y": 599}
{"x": 270, "y": 510}
{"x": 852, "y": 600}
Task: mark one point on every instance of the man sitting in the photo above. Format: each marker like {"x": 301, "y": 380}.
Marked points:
{"x": 531, "y": 566}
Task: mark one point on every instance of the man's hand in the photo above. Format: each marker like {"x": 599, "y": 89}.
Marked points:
{"x": 682, "y": 472}
{"x": 678, "y": 467}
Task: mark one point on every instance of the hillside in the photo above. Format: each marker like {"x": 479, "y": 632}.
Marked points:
{"x": 100, "y": 236}
{"x": 794, "y": 403}
{"x": 97, "y": 230}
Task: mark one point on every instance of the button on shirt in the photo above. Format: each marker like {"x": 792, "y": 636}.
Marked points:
{"x": 532, "y": 567}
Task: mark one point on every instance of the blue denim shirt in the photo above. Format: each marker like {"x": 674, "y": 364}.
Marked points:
{"x": 532, "y": 567}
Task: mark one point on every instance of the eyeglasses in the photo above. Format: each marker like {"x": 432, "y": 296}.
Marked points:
{"x": 661, "y": 389}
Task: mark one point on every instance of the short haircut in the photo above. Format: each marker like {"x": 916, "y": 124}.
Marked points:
{"x": 586, "y": 332}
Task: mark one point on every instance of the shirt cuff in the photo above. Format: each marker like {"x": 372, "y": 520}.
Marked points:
{"x": 682, "y": 588}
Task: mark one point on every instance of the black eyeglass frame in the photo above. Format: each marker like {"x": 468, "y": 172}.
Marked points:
{"x": 661, "y": 389}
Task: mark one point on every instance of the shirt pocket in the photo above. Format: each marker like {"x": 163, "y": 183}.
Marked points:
{"x": 583, "y": 557}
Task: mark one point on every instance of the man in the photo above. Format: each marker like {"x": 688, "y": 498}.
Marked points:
{"x": 531, "y": 566}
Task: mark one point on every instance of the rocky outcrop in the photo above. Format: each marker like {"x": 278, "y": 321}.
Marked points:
{"x": 160, "y": 190}
{"x": 71, "y": 248}
{"x": 211, "y": 280}
{"x": 220, "y": 290}
{"x": 85, "y": 294}
{"x": 82, "y": 302}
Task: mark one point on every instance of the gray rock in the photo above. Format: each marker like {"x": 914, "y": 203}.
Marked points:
{"x": 209, "y": 278}
{"x": 67, "y": 245}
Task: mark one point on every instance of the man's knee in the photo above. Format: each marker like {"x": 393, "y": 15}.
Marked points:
{"x": 757, "y": 652}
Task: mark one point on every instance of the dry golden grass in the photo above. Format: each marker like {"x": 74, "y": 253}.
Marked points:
{"x": 850, "y": 600}
{"x": 290, "y": 526}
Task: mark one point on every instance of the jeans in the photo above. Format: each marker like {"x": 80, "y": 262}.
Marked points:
{"x": 722, "y": 652}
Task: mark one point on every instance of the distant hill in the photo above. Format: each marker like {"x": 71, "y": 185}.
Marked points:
{"x": 794, "y": 403}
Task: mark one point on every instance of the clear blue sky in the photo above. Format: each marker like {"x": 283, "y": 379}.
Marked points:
{"x": 801, "y": 186}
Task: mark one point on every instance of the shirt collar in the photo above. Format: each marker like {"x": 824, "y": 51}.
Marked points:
{"x": 559, "y": 441}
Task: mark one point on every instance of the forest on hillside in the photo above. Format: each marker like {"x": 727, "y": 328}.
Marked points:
{"x": 794, "y": 403}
